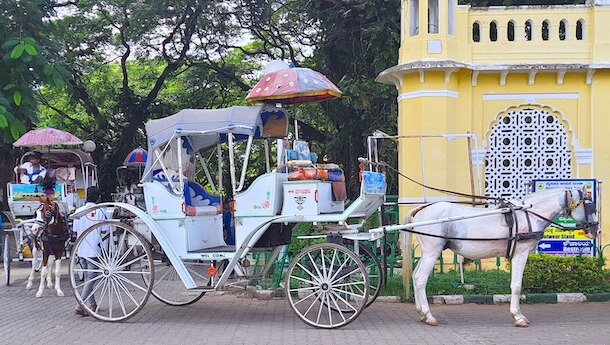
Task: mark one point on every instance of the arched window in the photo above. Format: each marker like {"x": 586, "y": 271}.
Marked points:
{"x": 563, "y": 27}
{"x": 413, "y": 17}
{"x": 580, "y": 29}
{"x": 493, "y": 31}
{"x": 528, "y": 30}
{"x": 510, "y": 31}
{"x": 545, "y": 30}
{"x": 451, "y": 18}
{"x": 476, "y": 32}
{"x": 433, "y": 16}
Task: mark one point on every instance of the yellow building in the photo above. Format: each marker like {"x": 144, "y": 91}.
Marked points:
{"x": 529, "y": 85}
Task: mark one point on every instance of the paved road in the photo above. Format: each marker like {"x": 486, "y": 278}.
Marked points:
{"x": 228, "y": 319}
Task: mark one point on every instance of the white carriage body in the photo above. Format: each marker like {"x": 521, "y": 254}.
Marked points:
{"x": 191, "y": 217}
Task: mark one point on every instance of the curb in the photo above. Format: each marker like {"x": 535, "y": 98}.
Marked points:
{"x": 541, "y": 298}
{"x": 535, "y": 298}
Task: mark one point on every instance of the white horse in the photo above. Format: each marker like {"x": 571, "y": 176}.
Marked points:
{"x": 513, "y": 235}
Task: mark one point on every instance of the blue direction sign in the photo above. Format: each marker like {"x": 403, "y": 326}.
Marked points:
{"x": 566, "y": 247}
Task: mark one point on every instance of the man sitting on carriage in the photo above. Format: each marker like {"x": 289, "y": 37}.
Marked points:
{"x": 31, "y": 171}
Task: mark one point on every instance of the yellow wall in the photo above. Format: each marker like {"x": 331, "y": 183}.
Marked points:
{"x": 450, "y": 84}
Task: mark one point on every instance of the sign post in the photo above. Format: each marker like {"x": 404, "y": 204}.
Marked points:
{"x": 569, "y": 241}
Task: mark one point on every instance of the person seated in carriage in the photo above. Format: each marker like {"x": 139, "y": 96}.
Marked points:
{"x": 31, "y": 171}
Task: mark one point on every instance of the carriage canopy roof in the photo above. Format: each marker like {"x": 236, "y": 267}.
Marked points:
{"x": 207, "y": 127}
{"x": 204, "y": 128}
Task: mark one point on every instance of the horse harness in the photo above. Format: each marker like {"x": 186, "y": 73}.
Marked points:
{"x": 52, "y": 216}
{"x": 513, "y": 224}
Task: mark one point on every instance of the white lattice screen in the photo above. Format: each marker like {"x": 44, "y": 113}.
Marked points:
{"x": 525, "y": 144}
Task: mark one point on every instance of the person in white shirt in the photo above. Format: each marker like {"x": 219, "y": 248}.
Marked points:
{"x": 90, "y": 249}
{"x": 31, "y": 171}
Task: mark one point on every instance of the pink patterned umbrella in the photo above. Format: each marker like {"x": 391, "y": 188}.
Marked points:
{"x": 46, "y": 137}
{"x": 293, "y": 85}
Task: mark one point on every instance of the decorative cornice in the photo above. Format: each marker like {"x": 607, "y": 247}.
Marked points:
{"x": 390, "y": 75}
{"x": 428, "y": 93}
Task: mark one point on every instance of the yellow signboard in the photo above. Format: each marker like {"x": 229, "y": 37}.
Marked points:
{"x": 558, "y": 234}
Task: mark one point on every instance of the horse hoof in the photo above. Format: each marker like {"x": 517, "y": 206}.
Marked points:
{"x": 61, "y": 294}
{"x": 28, "y": 287}
{"x": 431, "y": 321}
{"x": 39, "y": 295}
{"x": 521, "y": 323}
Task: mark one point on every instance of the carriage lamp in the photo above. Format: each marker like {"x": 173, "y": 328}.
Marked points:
{"x": 212, "y": 271}
{"x": 89, "y": 146}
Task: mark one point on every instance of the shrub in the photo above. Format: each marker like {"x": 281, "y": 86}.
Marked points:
{"x": 546, "y": 273}
{"x": 543, "y": 274}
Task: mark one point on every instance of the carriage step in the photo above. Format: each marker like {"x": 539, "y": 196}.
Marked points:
{"x": 203, "y": 288}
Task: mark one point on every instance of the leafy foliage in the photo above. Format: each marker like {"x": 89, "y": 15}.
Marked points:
{"x": 27, "y": 61}
{"x": 545, "y": 273}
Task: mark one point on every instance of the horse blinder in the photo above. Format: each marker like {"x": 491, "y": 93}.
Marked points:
{"x": 590, "y": 209}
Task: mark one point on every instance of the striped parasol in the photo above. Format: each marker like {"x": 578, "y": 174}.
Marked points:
{"x": 136, "y": 157}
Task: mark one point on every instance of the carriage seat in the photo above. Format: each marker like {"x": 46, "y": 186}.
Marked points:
{"x": 65, "y": 174}
{"x": 199, "y": 202}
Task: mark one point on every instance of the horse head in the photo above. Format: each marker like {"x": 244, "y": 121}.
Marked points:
{"x": 580, "y": 206}
{"x": 49, "y": 217}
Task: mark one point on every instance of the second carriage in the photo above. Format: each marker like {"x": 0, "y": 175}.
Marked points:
{"x": 74, "y": 171}
{"x": 182, "y": 245}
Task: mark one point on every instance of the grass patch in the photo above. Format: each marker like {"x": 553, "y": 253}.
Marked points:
{"x": 490, "y": 282}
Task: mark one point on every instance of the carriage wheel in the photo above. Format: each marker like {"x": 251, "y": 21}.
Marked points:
{"x": 169, "y": 288}
{"x": 8, "y": 246}
{"x": 327, "y": 285}
{"x": 121, "y": 271}
{"x": 6, "y": 260}
{"x": 373, "y": 269}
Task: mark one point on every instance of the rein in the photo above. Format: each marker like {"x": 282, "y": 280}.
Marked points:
{"x": 444, "y": 191}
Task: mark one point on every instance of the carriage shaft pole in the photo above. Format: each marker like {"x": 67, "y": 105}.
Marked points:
{"x": 399, "y": 227}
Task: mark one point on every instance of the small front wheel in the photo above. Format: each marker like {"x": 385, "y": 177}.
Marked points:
{"x": 116, "y": 276}
{"x": 327, "y": 285}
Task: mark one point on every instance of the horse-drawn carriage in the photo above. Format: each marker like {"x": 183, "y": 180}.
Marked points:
{"x": 73, "y": 171}
{"x": 178, "y": 247}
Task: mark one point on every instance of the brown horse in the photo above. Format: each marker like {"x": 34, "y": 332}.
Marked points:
{"x": 50, "y": 233}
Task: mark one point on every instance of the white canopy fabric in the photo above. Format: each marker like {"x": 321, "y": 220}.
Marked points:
{"x": 207, "y": 127}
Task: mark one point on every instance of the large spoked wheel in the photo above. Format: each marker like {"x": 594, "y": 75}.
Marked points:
{"x": 9, "y": 245}
{"x": 120, "y": 272}
{"x": 373, "y": 269}
{"x": 6, "y": 259}
{"x": 327, "y": 285}
{"x": 169, "y": 288}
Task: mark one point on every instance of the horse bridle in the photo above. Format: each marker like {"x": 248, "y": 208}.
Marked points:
{"x": 589, "y": 206}
{"x": 51, "y": 215}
